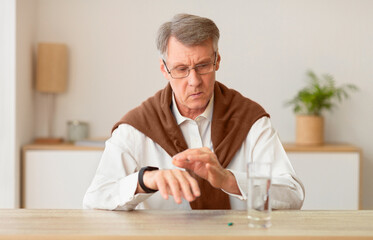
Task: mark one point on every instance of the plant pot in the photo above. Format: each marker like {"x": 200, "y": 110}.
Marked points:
{"x": 310, "y": 130}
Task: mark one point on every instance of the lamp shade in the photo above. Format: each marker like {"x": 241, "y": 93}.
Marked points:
{"x": 51, "y": 69}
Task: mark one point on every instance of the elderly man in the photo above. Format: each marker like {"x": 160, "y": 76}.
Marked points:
{"x": 187, "y": 146}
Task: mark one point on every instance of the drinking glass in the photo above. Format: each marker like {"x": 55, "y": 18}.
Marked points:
{"x": 259, "y": 176}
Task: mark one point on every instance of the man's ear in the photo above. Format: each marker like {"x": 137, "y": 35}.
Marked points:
{"x": 217, "y": 62}
{"x": 163, "y": 68}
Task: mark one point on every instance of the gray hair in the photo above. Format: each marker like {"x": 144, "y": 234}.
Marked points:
{"x": 188, "y": 29}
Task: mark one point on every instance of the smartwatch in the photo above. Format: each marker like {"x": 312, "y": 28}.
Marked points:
{"x": 141, "y": 179}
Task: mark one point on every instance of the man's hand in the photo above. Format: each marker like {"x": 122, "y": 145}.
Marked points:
{"x": 204, "y": 163}
{"x": 173, "y": 182}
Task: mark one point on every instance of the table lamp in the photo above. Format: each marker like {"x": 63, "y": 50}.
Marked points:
{"x": 51, "y": 78}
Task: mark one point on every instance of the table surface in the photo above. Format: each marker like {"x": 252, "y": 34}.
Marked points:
{"x": 197, "y": 224}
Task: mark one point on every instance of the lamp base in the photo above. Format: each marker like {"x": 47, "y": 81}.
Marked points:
{"x": 48, "y": 140}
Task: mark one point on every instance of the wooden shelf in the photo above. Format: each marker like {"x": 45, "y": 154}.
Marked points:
{"x": 62, "y": 146}
{"x": 327, "y": 147}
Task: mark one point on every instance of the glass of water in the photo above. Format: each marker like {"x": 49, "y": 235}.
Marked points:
{"x": 259, "y": 176}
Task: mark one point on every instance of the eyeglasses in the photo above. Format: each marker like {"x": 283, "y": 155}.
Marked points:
{"x": 183, "y": 71}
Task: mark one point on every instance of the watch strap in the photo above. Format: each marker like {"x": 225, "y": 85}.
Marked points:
{"x": 141, "y": 179}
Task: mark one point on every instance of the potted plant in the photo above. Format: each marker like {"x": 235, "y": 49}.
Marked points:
{"x": 321, "y": 94}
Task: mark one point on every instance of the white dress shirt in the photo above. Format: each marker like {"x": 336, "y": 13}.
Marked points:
{"x": 114, "y": 185}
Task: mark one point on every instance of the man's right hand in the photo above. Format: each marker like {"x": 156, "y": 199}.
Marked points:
{"x": 174, "y": 182}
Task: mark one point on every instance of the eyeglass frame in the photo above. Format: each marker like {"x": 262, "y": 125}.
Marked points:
{"x": 169, "y": 71}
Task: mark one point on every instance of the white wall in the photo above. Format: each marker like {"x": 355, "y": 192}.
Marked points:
{"x": 266, "y": 47}
{"x": 17, "y": 29}
{"x": 8, "y": 181}
{"x": 25, "y": 40}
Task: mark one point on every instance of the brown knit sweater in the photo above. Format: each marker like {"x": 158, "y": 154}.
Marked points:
{"x": 233, "y": 116}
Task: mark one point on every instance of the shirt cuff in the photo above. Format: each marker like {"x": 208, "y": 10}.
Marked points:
{"x": 241, "y": 183}
{"x": 128, "y": 186}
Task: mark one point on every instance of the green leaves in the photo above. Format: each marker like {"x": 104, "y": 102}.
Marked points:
{"x": 319, "y": 95}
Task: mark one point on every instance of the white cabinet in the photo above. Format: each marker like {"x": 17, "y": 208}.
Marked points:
{"x": 330, "y": 175}
{"x": 57, "y": 176}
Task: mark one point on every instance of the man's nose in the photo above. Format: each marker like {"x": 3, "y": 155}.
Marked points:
{"x": 194, "y": 79}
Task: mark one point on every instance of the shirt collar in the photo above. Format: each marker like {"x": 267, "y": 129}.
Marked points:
{"x": 207, "y": 114}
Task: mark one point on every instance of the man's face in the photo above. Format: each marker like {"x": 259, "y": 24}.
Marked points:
{"x": 193, "y": 92}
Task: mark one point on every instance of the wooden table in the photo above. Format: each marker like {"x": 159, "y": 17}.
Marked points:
{"x": 151, "y": 224}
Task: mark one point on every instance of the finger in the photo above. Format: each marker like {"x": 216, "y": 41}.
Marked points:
{"x": 196, "y": 156}
{"x": 174, "y": 186}
{"x": 184, "y": 155}
{"x": 185, "y": 185}
{"x": 181, "y": 163}
{"x": 205, "y": 149}
{"x": 180, "y": 157}
{"x": 204, "y": 157}
{"x": 193, "y": 185}
{"x": 162, "y": 186}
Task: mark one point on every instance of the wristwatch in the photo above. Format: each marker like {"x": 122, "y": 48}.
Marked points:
{"x": 141, "y": 179}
